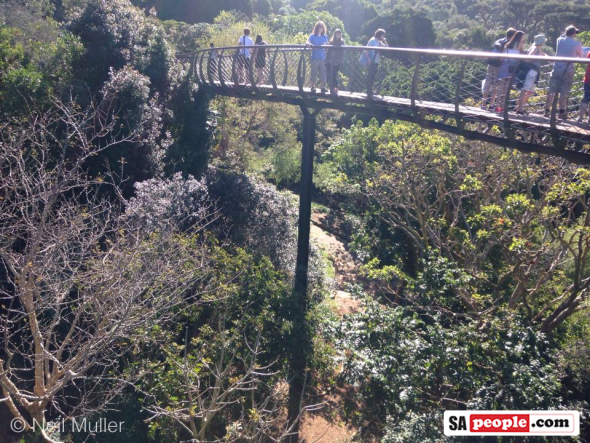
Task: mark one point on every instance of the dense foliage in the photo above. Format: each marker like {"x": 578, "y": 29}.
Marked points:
{"x": 409, "y": 367}
{"x": 148, "y": 232}
{"x": 476, "y": 246}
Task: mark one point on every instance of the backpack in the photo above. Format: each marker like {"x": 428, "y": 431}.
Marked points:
{"x": 497, "y": 48}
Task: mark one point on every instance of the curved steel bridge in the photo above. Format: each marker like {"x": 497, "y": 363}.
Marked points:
{"x": 433, "y": 88}
{"x": 437, "y": 89}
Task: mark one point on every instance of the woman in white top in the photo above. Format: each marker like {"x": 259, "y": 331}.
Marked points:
{"x": 244, "y": 56}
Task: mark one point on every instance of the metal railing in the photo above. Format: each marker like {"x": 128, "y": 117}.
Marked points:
{"x": 442, "y": 89}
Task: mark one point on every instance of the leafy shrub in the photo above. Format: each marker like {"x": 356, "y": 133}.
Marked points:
{"x": 302, "y": 24}
{"x": 409, "y": 366}
{"x": 169, "y": 204}
{"x": 250, "y": 213}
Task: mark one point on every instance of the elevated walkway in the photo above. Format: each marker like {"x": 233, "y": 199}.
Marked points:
{"x": 436, "y": 89}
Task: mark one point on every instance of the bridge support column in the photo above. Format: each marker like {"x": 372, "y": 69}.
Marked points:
{"x": 300, "y": 343}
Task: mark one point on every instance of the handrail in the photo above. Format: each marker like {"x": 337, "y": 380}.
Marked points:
{"x": 439, "y": 52}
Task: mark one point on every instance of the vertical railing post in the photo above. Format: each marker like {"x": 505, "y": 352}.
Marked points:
{"x": 506, "y": 104}
{"x": 200, "y": 66}
{"x": 414, "y": 91}
{"x": 300, "y": 337}
{"x": 210, "y": 63}
{"x": 273, "y": 72}
{"x": 192, "y": 67}
{"x": 286, "y": 70}
{"x": 553, "y": 120}
{"x": 234, "y": 74}
{"x": 458, "y": 117}
{"x": 220, "y": 66}
{"x": 252, "y": 67}
{"x": 301, "y": 68}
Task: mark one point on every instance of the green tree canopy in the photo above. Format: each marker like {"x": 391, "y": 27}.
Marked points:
{"x": 353, "y": 13}
{"x": 195, "y": 11}
{"x": 405, "y": 27}
{"x": 302, "y": 24}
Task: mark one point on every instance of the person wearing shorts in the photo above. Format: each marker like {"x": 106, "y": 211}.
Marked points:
{"x": 532, "y": 75}
{"x": 586, "y": 100}
{"x": 490, "y": 84}
{"x": 260, "y": 59}
{"x": 243, "y": 60}
{"x": 508, "y": 67}
{"x": 562, "y": 76}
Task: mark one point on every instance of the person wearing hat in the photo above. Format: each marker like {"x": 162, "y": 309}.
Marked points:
{"x": 532, "y": 75}
{"x": 562, "y": 76}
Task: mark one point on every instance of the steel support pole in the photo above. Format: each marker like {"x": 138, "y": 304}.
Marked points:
{"x": 300, "y": 344}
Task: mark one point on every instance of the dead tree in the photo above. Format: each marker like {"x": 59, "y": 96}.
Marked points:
{"x": 82, "y": 284}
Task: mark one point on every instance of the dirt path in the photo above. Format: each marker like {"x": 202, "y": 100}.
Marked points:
{"x": 317, "y": 428}
{"x": 345, "y": 267}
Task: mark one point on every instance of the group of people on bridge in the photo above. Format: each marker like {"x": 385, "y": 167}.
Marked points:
{"x": 500, "y": 71}
{"x": 327, "y": 56}
{"x": 325, "y": 62}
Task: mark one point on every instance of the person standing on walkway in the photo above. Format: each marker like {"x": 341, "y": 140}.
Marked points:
{"x": 244, "y": 56}
{"x": 334, "y": 59}
{"x": 319, "y": 37}
{"x": 260, "y": 59}
{"x": 562, "y": 76}
{"x": 213, "y": 60}
{"x": 370, "y": 58}
{"x": 508, "y": 67}
{"x": 490, "y": 84}
{"x": 531, "y": 71}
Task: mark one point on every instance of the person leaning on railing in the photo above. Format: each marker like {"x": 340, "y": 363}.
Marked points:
{"x": 260, "y": 59}
{"x": 508, "y": 67}
{"x": 490, "y": 84}
{"x": 334, "y": 59}
{"x": 528, "y": 74}
{"x": 370, "y": 58}
{"x": 562, "y": 76}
